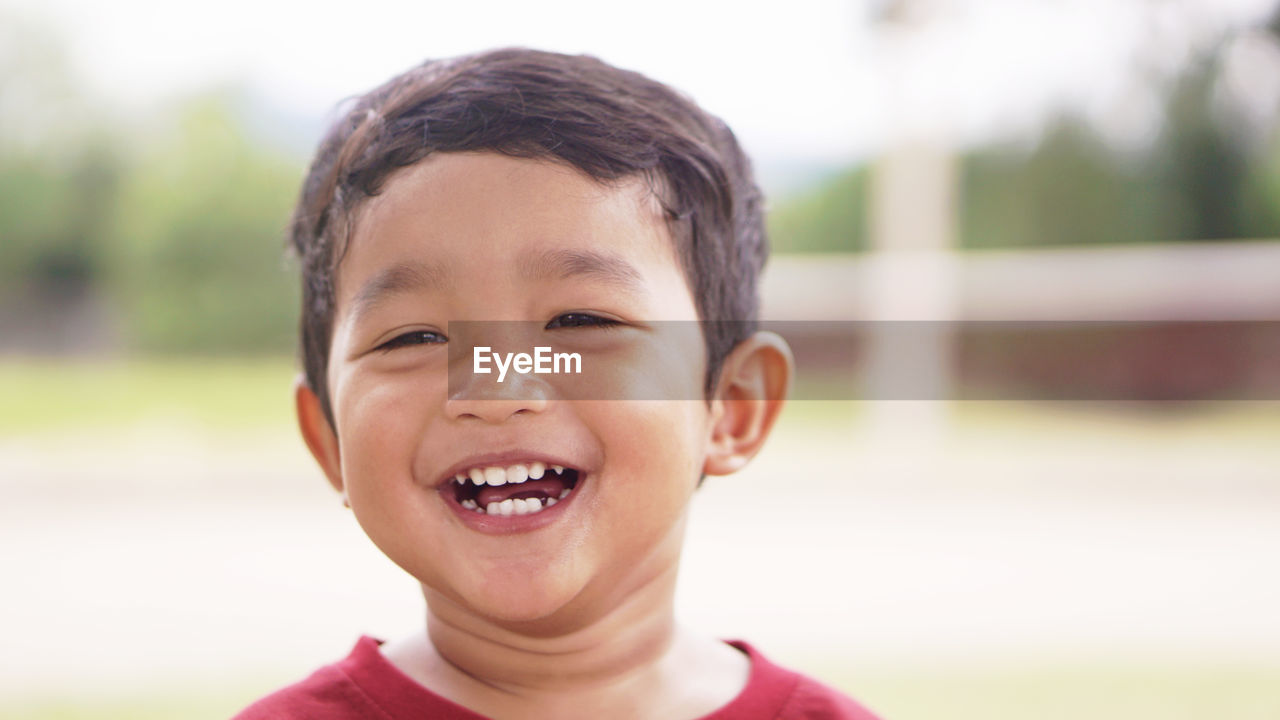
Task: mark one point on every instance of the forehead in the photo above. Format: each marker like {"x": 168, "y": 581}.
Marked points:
{"x": 474, "y": 212}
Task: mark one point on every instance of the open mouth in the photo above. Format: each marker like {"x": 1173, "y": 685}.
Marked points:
{"x": 520, "y": 489}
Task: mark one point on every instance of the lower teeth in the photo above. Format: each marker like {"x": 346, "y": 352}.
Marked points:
{"x": 515, "y": 506}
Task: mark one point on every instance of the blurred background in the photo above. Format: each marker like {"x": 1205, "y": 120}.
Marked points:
{"x": 168, "y": 549}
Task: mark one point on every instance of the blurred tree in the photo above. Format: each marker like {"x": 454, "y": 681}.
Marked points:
{"x": 177, "y": 229}
{"x": 1198, "y": 162}
{"x": 1072, "y": 190}
{"x": 53, "y": 213}
{"x": 200, "y": 229}
{"x": 1260, "y": 204}
{"x": 831, "y": 217}
{"x": 1202, "y": 179}
{"x": 59, "y": 172}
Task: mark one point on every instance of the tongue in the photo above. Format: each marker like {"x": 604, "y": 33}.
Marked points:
{"x": 547, "y": 487}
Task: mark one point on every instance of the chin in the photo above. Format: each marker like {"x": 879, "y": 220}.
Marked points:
{"x": 514, "y": 597}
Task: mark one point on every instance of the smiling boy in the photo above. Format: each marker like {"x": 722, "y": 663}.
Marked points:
{"x": 590, "y": 208}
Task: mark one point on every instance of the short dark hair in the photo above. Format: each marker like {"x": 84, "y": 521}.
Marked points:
{"x": 609, "y": 123}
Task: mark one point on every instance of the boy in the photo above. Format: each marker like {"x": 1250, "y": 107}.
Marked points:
{"x": 542, "y": 513}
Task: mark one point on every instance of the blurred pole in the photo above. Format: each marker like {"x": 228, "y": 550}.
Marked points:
{"x": 912, "y": 230}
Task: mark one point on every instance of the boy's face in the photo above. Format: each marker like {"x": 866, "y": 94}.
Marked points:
{"x": 482, "y": 236}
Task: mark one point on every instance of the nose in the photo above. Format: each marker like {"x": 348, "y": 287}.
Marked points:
{"x": 483, "y": 397}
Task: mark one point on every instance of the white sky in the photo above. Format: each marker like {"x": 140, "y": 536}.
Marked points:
{"x": 807, "y": 80}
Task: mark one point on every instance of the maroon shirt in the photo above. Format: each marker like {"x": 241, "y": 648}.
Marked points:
{"x": 366, "y": 686}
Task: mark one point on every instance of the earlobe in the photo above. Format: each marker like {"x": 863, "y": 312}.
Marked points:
{"x": 749, "y": 396}
{"x": 318, "y": 434}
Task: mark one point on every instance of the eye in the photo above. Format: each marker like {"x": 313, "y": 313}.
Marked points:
{"x": 579, "y": 319}
{"x": 415, "y": 337}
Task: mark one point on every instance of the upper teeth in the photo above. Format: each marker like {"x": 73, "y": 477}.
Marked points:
{"x": 496, "y": 475}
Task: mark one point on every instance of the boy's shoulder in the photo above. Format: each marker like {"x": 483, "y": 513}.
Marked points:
{"x": 776, "y": 693}
{"x": 366, "y": 685}
{"x": 362, "y": 685}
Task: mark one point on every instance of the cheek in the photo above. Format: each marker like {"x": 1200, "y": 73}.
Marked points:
{"x": 379, "y": 425}
{"x": 657, "y": 450}
{"x": 380, "y": 438}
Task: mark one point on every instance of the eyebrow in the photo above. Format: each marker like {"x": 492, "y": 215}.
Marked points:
{"x": 417, "y": 276}
{"x": 566, "y": 264}
{"x": 402, "y": 277}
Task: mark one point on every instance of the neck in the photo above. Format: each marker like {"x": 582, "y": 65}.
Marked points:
{"x": 573, "y": 663}
{"x": 530, "y": 659}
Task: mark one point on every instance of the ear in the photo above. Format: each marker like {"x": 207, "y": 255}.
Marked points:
{"x": 749, "y": 395}
{"x": 318, "y": 434}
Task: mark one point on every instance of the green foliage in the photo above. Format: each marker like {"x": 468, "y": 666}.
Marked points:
{"x": 178, "y": 227}
{"x": 57, "y": 169}
{"x": 829, "y": 218}
{"x": 51, "y": 220}
{"x": 1199, "y": 164}
{"x": 1201, "y": 179}
{"x": 200, "y": 230}
{"x": 1260, "y": 198}
{"x": 1072, "y": 190}
{"x": 34, "y": 202}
